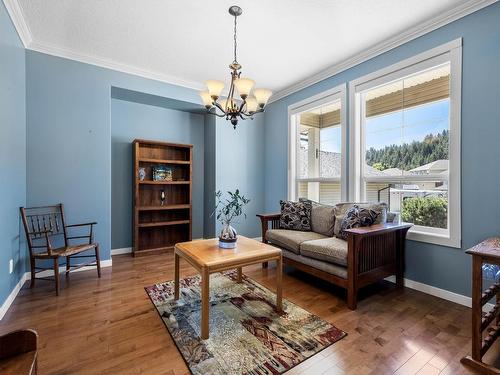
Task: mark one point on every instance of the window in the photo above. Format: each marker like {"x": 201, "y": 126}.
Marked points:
{"x": 317, "y": 139}
{"x": 406, "y": 144}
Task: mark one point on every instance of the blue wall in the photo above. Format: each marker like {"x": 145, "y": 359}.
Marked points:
{"x": 130, "y": 120}
{"x": 210, "y": 184}
{"x": 240, "y": 165}
{"x": 12, "y": 154}
{"x": 69, "y": 135}
{"x": 443, "y": 267}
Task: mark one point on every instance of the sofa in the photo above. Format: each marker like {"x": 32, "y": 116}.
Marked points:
{"x": 369, "y": 253}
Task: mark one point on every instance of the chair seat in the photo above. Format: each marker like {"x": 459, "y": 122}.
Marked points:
{"x": 19, "y": 365}
{"x": 66, "y": 251}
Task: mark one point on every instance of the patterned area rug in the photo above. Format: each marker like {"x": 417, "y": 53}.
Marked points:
{"x": 247, "y": 335}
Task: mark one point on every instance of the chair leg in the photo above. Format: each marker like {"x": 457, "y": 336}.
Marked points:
{"x": 33, "y": 273}
{"x": 56, "y": 274}
{"x": 68, "y": 265}
{"x": 98, "y": 260}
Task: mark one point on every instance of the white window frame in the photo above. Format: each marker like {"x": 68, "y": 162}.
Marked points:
{"x": 450, "y": 52}
{"x": 336, "y": 93}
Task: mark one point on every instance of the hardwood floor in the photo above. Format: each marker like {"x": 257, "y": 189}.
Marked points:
{"x": 109, "y": 325}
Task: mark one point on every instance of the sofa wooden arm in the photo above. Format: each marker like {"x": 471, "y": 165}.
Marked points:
{"x": 374, "y": 253}
{"x": 377, "y": 229}
{"x": 265, "y": 220}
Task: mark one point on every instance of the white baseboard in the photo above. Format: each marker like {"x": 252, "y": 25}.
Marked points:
{"x": 47, "y": 273}
{"x": 12, "y": 296}
{"x": 438, "y": 292}
{"x": 123, "y": 250}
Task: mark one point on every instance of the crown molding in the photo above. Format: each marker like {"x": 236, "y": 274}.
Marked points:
{"x": 113, "y": 65}
{"x": 378, "y": 49}
{"x": 19, "y": 21}
{"x": 17, "y": 16}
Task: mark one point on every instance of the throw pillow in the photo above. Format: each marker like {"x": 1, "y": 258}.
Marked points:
{"x": 357, "y": 217}
{"x": 322, "y": 218}
{"x": 342, "y": 208}
{"x": 295, "y": 215}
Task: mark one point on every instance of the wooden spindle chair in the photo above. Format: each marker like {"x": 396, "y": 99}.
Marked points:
{"x": 46, "y": 224}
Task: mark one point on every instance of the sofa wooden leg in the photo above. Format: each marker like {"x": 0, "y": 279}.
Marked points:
{"x": 352, "y": 298}
{"x": 265, "y": 264}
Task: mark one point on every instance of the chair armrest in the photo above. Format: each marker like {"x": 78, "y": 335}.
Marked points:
{"x": 81, "y": 225}
{"x": 18, "y": 342}
{"x": 89, "y": 236}
{"x": 377, "y": 229}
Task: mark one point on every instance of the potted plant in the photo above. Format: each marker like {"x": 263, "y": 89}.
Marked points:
{"x": 226, "y": 210}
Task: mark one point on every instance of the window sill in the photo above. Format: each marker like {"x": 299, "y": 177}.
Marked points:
{"x": 434, "y": 238}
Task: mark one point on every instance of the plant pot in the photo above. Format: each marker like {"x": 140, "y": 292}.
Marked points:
{"x": 227, "y": 237}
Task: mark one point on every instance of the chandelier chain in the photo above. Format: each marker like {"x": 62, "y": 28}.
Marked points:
{"x": 235, "y": 42}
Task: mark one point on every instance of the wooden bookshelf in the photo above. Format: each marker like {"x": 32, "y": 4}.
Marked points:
{"x": 158, "y": 227}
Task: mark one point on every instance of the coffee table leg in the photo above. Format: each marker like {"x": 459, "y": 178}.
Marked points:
{"x": 205, "y": 295}
{"x": 176, "y": 277}
{"x": 238, "y": 279}
{"x": 279, "y": 276}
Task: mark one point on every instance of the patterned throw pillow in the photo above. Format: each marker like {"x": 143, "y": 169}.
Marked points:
{"x": 357, "y": 217}
{"x": 295, "y": 215}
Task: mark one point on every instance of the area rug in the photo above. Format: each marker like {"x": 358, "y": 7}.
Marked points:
{"x": 247, "y": 334}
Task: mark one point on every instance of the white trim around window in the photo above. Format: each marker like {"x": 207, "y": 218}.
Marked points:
{"x": 452, "y": 53}
{"x": 336, "y": 93}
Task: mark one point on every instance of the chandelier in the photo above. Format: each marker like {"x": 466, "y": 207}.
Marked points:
{"x": 232, "y": 108}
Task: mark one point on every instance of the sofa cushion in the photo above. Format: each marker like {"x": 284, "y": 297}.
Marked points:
{"x": 290, "y": 239}
{"x": 322, "y": 218}
{"x": 296, "y": 215}
{"x": 331, "y": 249}
{"x": 357, "y": 217}
{"x": 342, "y": 208}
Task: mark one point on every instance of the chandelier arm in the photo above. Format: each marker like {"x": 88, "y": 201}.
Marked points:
{"x": 242, "y": 105}
{"x": 220, "y": 107}
{"x": 213, "y": 111}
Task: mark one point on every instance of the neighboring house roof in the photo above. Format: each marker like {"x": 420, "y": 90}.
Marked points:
{"x": 394, "y": 172}
{"x": 330, "y": 163}
{"x": 434, "y": 167}
{"x": 331, "y": 166}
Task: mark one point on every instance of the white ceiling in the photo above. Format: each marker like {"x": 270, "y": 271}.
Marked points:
{"x": 281, "y": 42}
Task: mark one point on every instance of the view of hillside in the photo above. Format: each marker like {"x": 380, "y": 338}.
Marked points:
{"x": 410, "y": 155}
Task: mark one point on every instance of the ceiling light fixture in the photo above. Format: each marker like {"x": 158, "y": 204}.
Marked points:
{"x": 232, "y": 109}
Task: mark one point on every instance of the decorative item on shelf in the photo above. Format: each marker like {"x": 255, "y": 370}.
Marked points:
{"x": 142, "y": 173}
{"x": 162, "y": 197}
{"x": 226, "y": 211}
{"x": 232, "y": 109}
{"x": 161, "y": 173}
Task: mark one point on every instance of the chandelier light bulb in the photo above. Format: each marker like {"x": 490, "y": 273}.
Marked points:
{"x": 244, "y": 86}
{"x": 206, "y": 98}
{"x": 214, "y": 87}
{"x": 251, "y": 104}
{"x": 262, "y": 96}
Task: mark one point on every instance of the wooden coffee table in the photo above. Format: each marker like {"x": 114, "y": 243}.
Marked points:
{"x": 207, "y": 258}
